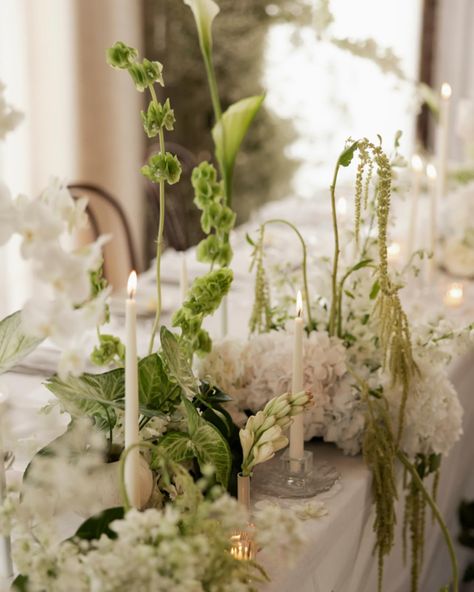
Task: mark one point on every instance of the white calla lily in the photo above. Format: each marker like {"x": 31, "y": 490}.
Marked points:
{"x": 204, "y": 11}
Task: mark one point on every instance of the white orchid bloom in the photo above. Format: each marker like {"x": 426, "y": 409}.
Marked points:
{"x": 37, "y": 224}
{"x": 67, "y": 273}
{"x": 60, "y": 200}
{"x": 72, "y": 361}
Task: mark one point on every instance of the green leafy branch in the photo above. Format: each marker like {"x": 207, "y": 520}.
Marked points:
{"x": 162, "y": 167}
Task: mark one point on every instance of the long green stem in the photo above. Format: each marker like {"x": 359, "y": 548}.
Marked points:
{"x": 159, "y": 241}
{"x": 333, "y": 311}
{"x": 436, "y": 513}
{"x": 304, "y": 264}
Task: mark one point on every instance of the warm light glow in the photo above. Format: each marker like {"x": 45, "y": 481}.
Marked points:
{"x": 431, "y": 171}
{"x": 446, "y": 90}
{"x": 341, "y": 206}
{"x": 393, "y": 251}
{"x": 455, "y": 295}
{"x": 299, "y": 304}
{"x": 132, "y": 285}
{"x": 242, "y": 547}
{"x": 417, "y": 163}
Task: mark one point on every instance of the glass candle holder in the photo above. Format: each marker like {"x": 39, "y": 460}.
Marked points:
{"x": 242, "y": 546}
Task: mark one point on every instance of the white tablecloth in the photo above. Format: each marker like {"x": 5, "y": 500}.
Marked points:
{"x": 338, "y": 556}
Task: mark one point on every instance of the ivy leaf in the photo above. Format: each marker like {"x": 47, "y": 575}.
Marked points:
{"x": 230, "y": 130}
{"x": 178, "y": 446}
{"x": 346, "y": 157}
{"x": 90, "y": 394}
{"x": 204, "y": 11}
{"x": 14, "y": 344}
{"x": 203, "y": 442}
{"x": 20, "y": 583}
{"x": 177, "y": 362}
{"x": 93, "y": 528}
{"x": 157, "y": 393}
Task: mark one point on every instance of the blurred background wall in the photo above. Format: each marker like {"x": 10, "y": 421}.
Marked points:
{"x": 323, "y": 82}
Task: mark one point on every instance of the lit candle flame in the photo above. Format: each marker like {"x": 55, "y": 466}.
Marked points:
{"x": 299, "y": 304}
{"x": 132, "y": 285}
{"x": 417, "y": 163}
{"x": 456, "y": 291}
{"x": 431, "y": 171}
{"x": 446, "y": 90}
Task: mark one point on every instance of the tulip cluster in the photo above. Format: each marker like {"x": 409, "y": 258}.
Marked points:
{"x": 264, "y": 433}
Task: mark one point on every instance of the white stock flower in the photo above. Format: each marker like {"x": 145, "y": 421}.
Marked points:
{"x": 59, "y": 199}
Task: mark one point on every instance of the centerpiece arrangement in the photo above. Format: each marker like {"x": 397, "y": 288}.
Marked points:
{"x": 365, "y": 378}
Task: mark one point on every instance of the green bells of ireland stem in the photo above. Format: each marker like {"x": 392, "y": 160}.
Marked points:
{"x": 162, "y": 167}
{"x": 157, "y": 117}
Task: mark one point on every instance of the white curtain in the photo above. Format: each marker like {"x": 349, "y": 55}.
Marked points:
{"x": 455, "y": 57}
{"x": 82, "y": 118}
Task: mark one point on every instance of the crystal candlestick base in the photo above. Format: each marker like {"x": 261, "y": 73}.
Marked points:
{"x": 296, "y": 477}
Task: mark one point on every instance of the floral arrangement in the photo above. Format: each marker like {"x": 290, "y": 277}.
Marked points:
{"x": 189, "y": 444}
{"x": 380, "y": 382}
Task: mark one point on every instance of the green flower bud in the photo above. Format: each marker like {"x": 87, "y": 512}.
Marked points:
{"x": 208, "y": 249}
{"x": 121, "y": 55}
{"x": 225, "y": 255}
{"x": 226, "y": 219}
{"x": 109, "y": 348}
{"x": 157, "y": 117}
{"x": 204, "y": 342}
{"x": 207, "y": 291}
{"x": 153, "y": 72}
{"x": 162, "y": 167}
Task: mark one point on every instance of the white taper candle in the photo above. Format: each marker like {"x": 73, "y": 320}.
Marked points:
{"x": 131, "y": 394}
{"x": 297, "y": 427}
{"x": 443, "y": 138}
{"x": 433, "y": 237}
{"x": 416, "y": 176}
{"x": 184, "y": 280}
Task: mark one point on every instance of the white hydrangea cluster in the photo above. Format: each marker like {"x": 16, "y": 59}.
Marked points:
{"x": 64, "y": 308}
{"x": 251, "y": 372}
{"x": 433, "y": 413}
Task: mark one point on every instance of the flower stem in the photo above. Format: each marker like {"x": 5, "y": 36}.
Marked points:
{"x": 333, "y": 312}
{"x": 159, "y": 241}
{"x": 416, "y": 478}
{"x": 304, "y": 264}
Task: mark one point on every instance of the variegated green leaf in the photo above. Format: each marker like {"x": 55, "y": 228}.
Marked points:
{"x": 14, "y": 343}
{"x": 177, "y": 363}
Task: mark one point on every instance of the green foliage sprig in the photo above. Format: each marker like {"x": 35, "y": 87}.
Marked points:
{"x": 162, "y": 167}
{"x": 216, "y": 216}
{"x": 203, "y": 299}
{"x": 261, "y": 319}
